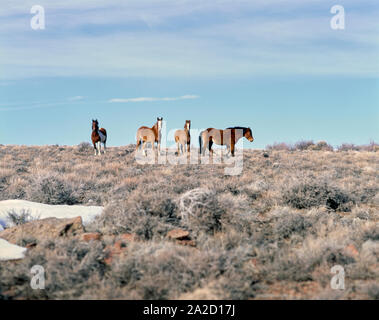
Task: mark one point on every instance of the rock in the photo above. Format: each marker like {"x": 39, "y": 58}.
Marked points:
{"x": 351, "y": 251}
{"x": 114, "y": 251}
{"x": 31, "y": 245}
{"x": 178, "y": 234}
{"x": 186, "y": 242}
{"x": 93, "y": 236}
{"x": 130, "y": 237}
{"x": 181, "y": 237}
{"x": 49, "y": 228}
{"x": 119, "y": 248}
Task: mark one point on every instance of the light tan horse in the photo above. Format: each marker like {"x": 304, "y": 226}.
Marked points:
{"x": 228, "y": 137}
{"x": 150, "y": 135}
{"x": 183, "y": 138}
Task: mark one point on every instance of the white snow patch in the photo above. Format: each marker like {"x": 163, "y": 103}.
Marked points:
{"x": 42, "y": 211}
{"x": 9, "y": 251}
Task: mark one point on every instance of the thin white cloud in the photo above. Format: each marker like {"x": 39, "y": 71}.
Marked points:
{"x": 151, "y": 99}
{"x": 76, "y": 98}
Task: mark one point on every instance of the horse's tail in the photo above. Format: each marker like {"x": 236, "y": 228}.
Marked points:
{"x": 139, "y": 142}
{"x": 104, "y": 132}
{"x": 200, "y": 143}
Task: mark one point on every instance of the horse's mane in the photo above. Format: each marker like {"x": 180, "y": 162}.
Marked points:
{"x": 241, "y": 128}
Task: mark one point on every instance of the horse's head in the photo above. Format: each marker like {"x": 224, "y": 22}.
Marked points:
{"x": 95, "y": 124}
{"x": 159, "y": 123}
{"x": 248, "y": 134}
{"x": 188, "y": 125}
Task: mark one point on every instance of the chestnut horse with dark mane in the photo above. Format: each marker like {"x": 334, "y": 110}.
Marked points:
{"x": 228, "y": 137}
{"x": 152, "y": 135}
{"x": 98, "y": 137}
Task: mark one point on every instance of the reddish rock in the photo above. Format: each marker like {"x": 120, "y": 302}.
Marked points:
{"x": 181, "y": 237}
{"x": 31, "y": 245}
{"x": 187, "y": 242}
{"x": 87, "y": 237}
{"x": 113, "y": 251}
{"x": 178, "y": 234}
{"x": 130, "y": 237}
{"x": 351, "y": 250}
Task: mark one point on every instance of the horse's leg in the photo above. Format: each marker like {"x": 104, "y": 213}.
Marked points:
{"x": 139, "y": 142}
{"x": 205, "y": 144}
{"x": 143, "y": 148}
{"x": 153, "y": 147}
{"x": 188, "y": 153}
{"x": 228, "y": 150}
{"x": 99, "y": 148}
{"x": 105, "y": 147}
{"x": 210, "y": 146}
{"x": 94, "y": 146}
{"x": 210, "y": 143}
{"x": 232, "y": 149}
{"x": 178, "y": 152}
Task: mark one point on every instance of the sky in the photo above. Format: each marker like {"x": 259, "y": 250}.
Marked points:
{"x": 276, "y": 66}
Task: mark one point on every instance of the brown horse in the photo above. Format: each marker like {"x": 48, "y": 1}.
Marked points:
{"x": 98, "y": 137}
{"x": 228, "y": 137}
{"x": 152, "y": 135}
{"x": 183, "y": 137}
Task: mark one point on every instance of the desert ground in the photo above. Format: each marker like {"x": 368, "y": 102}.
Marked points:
{"x": 191, "y": 232}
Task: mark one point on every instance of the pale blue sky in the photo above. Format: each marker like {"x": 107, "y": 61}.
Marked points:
{"x": 275, "y": 66}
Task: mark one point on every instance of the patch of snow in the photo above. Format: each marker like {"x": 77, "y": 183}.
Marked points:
{"x": 9, "y": 251}
{"x": 42, "y": 211}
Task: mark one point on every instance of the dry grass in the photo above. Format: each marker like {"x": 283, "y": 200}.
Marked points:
{"x": 273, "y": 232}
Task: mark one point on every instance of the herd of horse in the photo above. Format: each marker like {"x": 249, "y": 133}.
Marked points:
{"x": 227, "y": 137}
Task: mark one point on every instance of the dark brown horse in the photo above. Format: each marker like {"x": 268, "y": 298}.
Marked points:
{"x": 98, "y": 137}
{"x": 228, "y": 137}
{"x": 152, "y": 135}
{"x": 183, "y": 137}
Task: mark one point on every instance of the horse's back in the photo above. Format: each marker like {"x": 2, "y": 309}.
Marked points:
{"x": 102, "y": 135}
{"x": 180, "y": 135}
{"x": 142, "y": 129}
{"x": 215, "y": 134}
{"x": 103, "y": 131}
{"x": 206, "y": 131}
{"x": 177, "y": 135}
{"x": 145, "y": 133}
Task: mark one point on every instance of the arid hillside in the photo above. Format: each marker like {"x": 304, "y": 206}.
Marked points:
{"x": 191, "y": 232}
